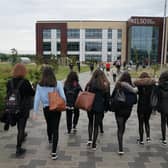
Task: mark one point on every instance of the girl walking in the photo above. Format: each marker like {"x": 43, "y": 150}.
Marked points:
{"x": 47, "y": 84}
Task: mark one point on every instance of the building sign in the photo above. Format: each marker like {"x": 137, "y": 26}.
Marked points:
{"x": 142, "y": 21}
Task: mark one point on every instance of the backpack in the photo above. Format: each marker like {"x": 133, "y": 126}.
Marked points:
{"x": 12, "y": 105}
{"x": 131, "y": 98}
{"x": 71, "y": 95}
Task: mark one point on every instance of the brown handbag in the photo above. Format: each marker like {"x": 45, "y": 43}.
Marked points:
{"x": 85, "y": 100}
{"x": 56, "y": 102}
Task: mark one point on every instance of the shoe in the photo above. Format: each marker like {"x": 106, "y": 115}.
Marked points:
{"x": 120, "y": 153}
{"x": 20, "y": 151}
{"x": 74, "y": 130}
{"x": 164, "y": 142}
{"x": 89, "y": 143}
{"x": 6, "y": 127}
{"x": 140, "y": 142}
{"x": 94, "y": 147}
{"x": 101, "y": 131}
{"x": 54, "y": 156}
{"x": 148, "y": 140}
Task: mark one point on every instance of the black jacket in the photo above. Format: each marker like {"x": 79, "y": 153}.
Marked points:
{"x": 101, "y": 101}
{"x": 145, "y": 87}
{"x": 163, "y": 97}
{"x": 26, "y": 93}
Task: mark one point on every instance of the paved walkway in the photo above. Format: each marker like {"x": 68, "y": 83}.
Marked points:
{"x": 72, "y": 149}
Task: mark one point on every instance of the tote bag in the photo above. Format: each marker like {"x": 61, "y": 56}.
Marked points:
{"x": 85, "y": 100}
{"x": 56, "y": 102}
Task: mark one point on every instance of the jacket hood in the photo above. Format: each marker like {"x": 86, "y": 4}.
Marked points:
{"x": 144, "y": 82}
{"x": 164, "y": 86}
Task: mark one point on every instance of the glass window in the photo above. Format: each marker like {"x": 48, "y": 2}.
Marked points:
{"x": 109, "y": 33}
{"x": 93, "y": 33}
{"x": 93, "y": 46}
{"x": 47, "y": 34}
{"x": 119, "y": 46}
{"x": 73, "y": 46}
{"x": 119, "y": 33}
{"x": 143, "y": 43}
{"x": 46, "y": 46}
{"x": 89, "y": 57}
{"x": 58, "y": 33}
{"x": 58, "y": 46}
{"x": 109, "y": 46}
{"x": 109, "y": 58}
{"x": 73, "y": 33}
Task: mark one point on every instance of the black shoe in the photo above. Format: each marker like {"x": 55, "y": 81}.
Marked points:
{"x": 6, "y": 127}
{"x": 20, "y": 151}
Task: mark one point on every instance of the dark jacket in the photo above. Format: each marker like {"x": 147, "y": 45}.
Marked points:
{"x": 101, "y": 101}
{"x": 163, "y": 97}
{"x": 71, "y": 93}
{"x": 145, "y": 87}
{"x": 26, "y": 93}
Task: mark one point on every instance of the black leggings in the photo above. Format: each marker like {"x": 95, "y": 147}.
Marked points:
{"x": 164, "y": 121}
{"x": 21, "y": 124}
{"x": 143, "y": 118}
{"x": 121, "y": 122}
{"x": 95, "y": 119}
{"x": 69, "y": 114}
{"x": 52, "y": 119}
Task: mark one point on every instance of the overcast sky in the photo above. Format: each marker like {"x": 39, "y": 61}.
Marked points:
{"x": 18, "y": 17}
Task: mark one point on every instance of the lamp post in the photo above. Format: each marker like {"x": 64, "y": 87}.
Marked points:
{"x": 163, "y": 37}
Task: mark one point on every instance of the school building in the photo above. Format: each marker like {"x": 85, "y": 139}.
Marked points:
{"x": 139, "y": 38}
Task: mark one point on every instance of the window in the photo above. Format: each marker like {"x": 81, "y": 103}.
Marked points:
{"x": 109, "y": 58}
{"x": 109, "y": 33}
{"x": 58, "y": 46}
{"x": 47, "y": 34}
{"x": 93, "y": 46}
{"x": 73, "y": 46}
{"x": 109, "y": 46}
{"x": 93, "y": 33}
{"x": 73, "y": 33}
{"x": 119, "y": 47}
{"x": 119, "y": 33}
{"x": 46, "y": 46}
{"x": 89, "y": 57}
{"x": 58, "y": 33}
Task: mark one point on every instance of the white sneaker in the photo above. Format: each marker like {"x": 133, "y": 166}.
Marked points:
{"x": 89, "y": 143}
{"x": 54, "y": 156}
{"x": 120, "y": 153}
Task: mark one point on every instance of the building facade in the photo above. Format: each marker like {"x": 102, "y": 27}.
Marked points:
{"x": 139, "y": 38}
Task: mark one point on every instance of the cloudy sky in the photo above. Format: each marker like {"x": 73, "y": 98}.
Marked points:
{"x": 18, "y": 17}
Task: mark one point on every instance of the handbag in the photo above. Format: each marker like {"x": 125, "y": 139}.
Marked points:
{"x": 85, "y": 100}
{"x": 56, "y": 102}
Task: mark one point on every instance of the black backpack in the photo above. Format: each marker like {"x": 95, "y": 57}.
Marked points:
{"x": 12, "y": 104}
{"x": 71, "y": 95}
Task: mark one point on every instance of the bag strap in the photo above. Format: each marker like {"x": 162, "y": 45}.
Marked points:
{"x": 18, "y": 86}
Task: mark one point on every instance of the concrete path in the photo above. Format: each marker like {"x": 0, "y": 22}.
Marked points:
{"x": 72, "y": 150}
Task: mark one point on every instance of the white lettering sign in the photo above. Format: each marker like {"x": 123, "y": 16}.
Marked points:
{"x": 142, "y": 21}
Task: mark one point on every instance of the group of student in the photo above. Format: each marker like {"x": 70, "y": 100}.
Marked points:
{"x": 98, "y": 84}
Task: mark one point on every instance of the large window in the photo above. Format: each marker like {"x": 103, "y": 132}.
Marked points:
{"x": 73, "y": 46}
{"x": 58, "y": 31}
{"x": 46, "y": 46}
{"x": 93, "y": 33}
{"x": 73, "y": 33}
{"x": 93, "y": 46}
{"x": 109, "y": 33}
{"x": 58, "y": 46}
{"x": 109, "y": 46}
{"x": 119, "y": 46}
{"x": 119, "y": 33}
{"x": 89, "y": 57}
{"x": 47, "y": 34}
{"x": 143, "y": 43}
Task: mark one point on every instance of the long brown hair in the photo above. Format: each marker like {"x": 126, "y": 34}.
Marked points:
{"x": 125, "y": 77}
{"x": 48, "y": 77}
{"x": 72, "y": 76}
{"x": 100, "y": 80}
